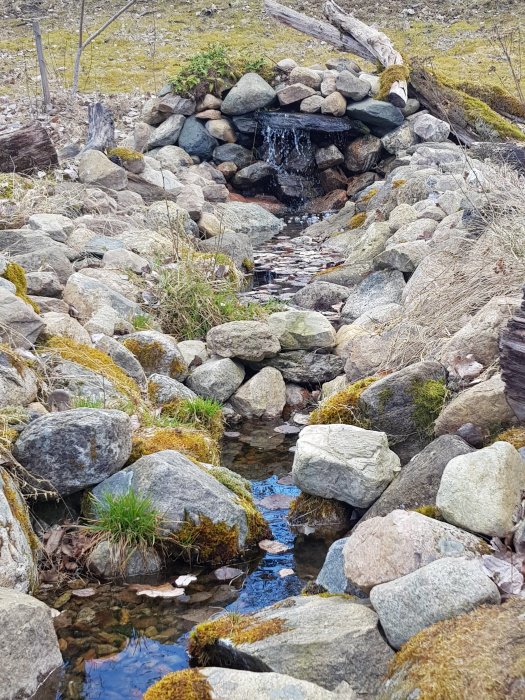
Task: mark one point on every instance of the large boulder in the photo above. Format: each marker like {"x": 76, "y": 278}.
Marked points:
{"x": 167, "y": 133}
{"x": 438, "y": 591}
{"x": 163, "y": 390}
{"x": 246, "y": 340}
{"x": 20, "y": 326}
{"x": 376, "y": 113}
{"x": 157, "y": 353}
{"x": 237, "y": 246}
{"x": 450, "y": 654}
{"x": 320, "y": 639}
{"x": 320, "y": 296}
{"x": 384, "y": 549}
{"x": 96, "y": 169}
{"x": 87, "y": 296}
{"x": 405, "y": 404}
{"x": 31, "y": 653}
{"x": 251, "y": 219}
{"x": 343, "y": 462}
{"x": 378, "y": 289}
{"x": 482, "y": 491}
{"x": 76, "y": 448}
{"x": 18, "y": 383}
{"x": 250, "y": 94}
{"x": 196, "y": 140}
{"x": 122, "y": 357}
{"x": 263, "y": 396}
{"x": 216, "y": 379}
{"x": 302, "y": 330}
{"x": 305, "y": 368}
{"x": 418, "y": 482}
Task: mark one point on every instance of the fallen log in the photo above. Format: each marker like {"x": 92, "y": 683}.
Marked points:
{"x": 26, "y": 150}
{"x": 394, "y": 78}
{"x": 101, "y": 128}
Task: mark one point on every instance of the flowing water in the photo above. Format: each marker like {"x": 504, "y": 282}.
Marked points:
{"x": 116, "y": 643}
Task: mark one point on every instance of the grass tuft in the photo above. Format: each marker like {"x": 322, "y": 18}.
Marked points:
{"x": 343, "y": 407}
{"x": 188, "y": 684}
{"x": 201, "y": 413}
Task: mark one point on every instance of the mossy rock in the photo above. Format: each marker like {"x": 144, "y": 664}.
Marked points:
{"x": 516, "y": 437}
{"x": 193, "y": 443}
{"x": 343, "y": 406}
{"x": 323, "y": 515}
{"x": 15, "y": 274}
{"x": 188, "y": 684}
{"x": 477, "y": 655}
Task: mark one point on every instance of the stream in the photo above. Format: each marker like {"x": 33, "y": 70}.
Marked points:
{"x": 116, "y": 643}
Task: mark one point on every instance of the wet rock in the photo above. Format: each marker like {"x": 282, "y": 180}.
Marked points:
{"x": 332, "y": 575}
{"x": 216, "y": 379}
{"x": 20, "y": 326}
{"x": 157, "y": 353}
{"x": 30, "y": 644}
{"x": 246, "y": 340}
{"x": 482, "y": 490}
{"x": 328, "y": 157}
{"x": 77, "y": 448}
{"x": 306, "y": 368}
{"x": 429, "y": 128}
{"x": 350, "y": 86}
{"x": 96, "y": 169}
{"x": 104, "y": 562}
{"x": 418, "y": 482}
{"x": 196, "y": 140}
{"x": 302, "y": 330}
{"x": 233, "y": 153}
{"x": 376, "y": 113}
{"x": 250, "y": 94}
{"x": 344, "y": 462}
{"x": 292, "y": 186}
{"x": 329, "y": 202}
{"x": 263, "y": 396}
{"x": 443, "y": 589}
{"x": 167, "y": 133}
{"x": 384, "y": 549}
{"x": 251, "y": 219}
{"x": 163, "y": 390}
{"x": 360, "y": 182}
{"x": 362, "y": 154}
{"x": 378, "y": 289}
{"x": 253, "y": 175}
{"x": 294, "y": 93}
{"x": 320, "y": 296}
{"x": 483, "y": 404}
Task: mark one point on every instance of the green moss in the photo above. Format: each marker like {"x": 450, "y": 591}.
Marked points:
{"x": 147, "y": 353}
{"x": 191, "y": 442}
{"x": 188, "y": 684}
{"x": 431, "y": 511}
{"x": 125, "y": 154}
{"x": 198, "y": 412}
{"x": 368, "y": 196}
{"x": 356, "y": 221}
{"x": 428, "y": 398}
{"x": 248, "y": 264}
{"x": 516, "y": 437}
{"x": 343, "y": 407}
{"x": 206, "y": 541}
{"x": 396, "y": 184}
{"x": 15, "y": 274}
{"x": 384, "y": 397}
{"x": 19, "y": 510}
{"x": 11, "y": 416}
{"x": 389, "y": 76}
{"x": 239, "y": 629}
{"x": 495, "y": 96}
{"x": 97, "y": 361}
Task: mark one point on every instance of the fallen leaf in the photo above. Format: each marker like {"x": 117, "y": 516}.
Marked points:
{"x": 227, "y": 573}
{"x": 273, "y": 547}
{"x": 286, "y": 572}
{"x": 84, "y": 592}
{"x": 53, "y": 540}
{"x": 506, "y": 572}
{"x": 277, "y": 501}
{"x": 166, "y": 590}
{"x": 185, "y": 580}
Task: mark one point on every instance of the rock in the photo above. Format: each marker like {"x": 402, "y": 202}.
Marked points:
{"x": 122, "y": 259}
{"x": 412, "y": 106}
{"x": 483, "y": 404}
{"x": 84, "y": 384}
{"x": 404, "y": 405}
{"x": 332, "y": 179}
{"x": 384, "y": 549}
{"x": 18, "y": 554}
{"x": 313, "y": 104}
{"x": 340, "y": 64}
{"x": 55, "y": 226}
{"x": 263, "y": 396}
{"x": 334, "y": 104}
{"x": 332, "y": 201}
{"x": 373, "y": 81}
{"x": 152, "y": 178}
{"x": 191, "y": 199}
{"x": 122, "y": 357}
{"x": 251, "y": 219}
{"x": 87, "y": 295}
{"x": 64, "y": 325}
{"x": 194, "y": 352}
{"x": 161, "y": 215}
{"x": 250, "y": 94}
{"x": 320, "y": 296}
{"x": 306, "y": 76}
{"x": 18, "y": 383}
{"x": 306, "y": 368}
{"x": 352, "y": 87}
{"x": 332, "y": 575}
{"x": 196, "y": 140}
{"x": 294, "y": 93}
{"x": 236, "y": 245}
{"x": 328, "y": 157}
{"x": 400, "y": 139}
{"x": 376, "y": 113}
{"x": 222, "y": 130}
{"x": 163, "y": 390}
{"x": 167, "y": 133}
{"x": 245, "y": 340}
{"x": 338, "y": 638}
{"x": 362, "y": 154}
{"x": 150, "y": 113}
{"x": 175, "y": 104}
{"x": 429, "y": 128}
{"x": 209, "y": 101}
{"x": 404, "y": 257}
{"x": 157, "y": 353}
{"x": 173, "y": 158}
{"x": 180, "y": 490}
{"x": 418, "y": 482}
{"x": 253, "y": 175}
{"x": 96, "y": 169}
{"x": 438, "y": 591}
{"x": 401, "y": 216}
{"x": 343, "y": 462}
{"x": 328, "y": 85}
{"x": 104, "y": 562}
{"x": 33, "y": 657}
{"x": 216, "y": 379}
{"x": 233, "y": 153}
{"x": 417, "y": 230}
{"x": 76, "y": 448}
{"x": 359, "y": 182}
{"x": 44, "y": 284}
{"x": 107, "y": 321}
{"x": 450, "y": 654}
{"x": 20, "y": 326}
{"x": 378, "y": 289}
{"x": 333, "y": 387}
{"x": 302, "y": 330}
{"x": 481, "y": 491}
{"x": 286, "y": 65}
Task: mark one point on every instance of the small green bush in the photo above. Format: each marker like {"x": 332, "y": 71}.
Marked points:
{"x": 199, "y": 413}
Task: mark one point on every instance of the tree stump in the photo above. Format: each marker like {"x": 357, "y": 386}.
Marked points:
{"x": 26, "y": 150}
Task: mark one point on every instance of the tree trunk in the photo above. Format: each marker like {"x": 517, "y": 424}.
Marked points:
{"x": 26, "y": 149}
{"x": 512, "y": 361}
{"x": 101, "y": 128}
{"x": 46, "y": 94}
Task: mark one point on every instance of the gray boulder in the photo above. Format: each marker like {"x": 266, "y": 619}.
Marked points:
{"x": 163, "y": 390}
{"x": 320, "y": 296}
{"x": 233, "y": 153}
{"x": 122, "y": 357}
{"x": 77, "y": 448}
{"x": 429, "y": 128}
{"x": 18, "y": 383}
{"x": 332, "y": 575}
{"x": 251, "y": 219}
{"x": 44, "y": 284}
{"x": 305, "y": 368}
{"x": 376, "y": 113}
{"x": 46, "y": 259}
{"x": 239, "y": 685}
{"x": 343, "y": 462}
{"x": 245, "y": 340}
{"x": 351, "y": 86}
{"x": 32, "y": 657}
{"x": 20, "y": 326}
{"x": 217, "y": 379}
{"x": 196, "y": 140}
{"x": 237, "y": 245}
{"x": 263, "y": 396}
{"x": 104, "y": 562}
{"x": 302, "y": 330}
{"x": 55, "y": 226}
{"x": 253, "y": 176}
{"x": 96, "y": 169}
{"x": 167, "y": 133}
{"x": 438, "y": 591}
{"x": 378, "y": 289}
{"x": 87, "y": 295}
{"x": 83, "y": 384}
{"x": 157, "y": 353}
{"x": 250, "y": 94}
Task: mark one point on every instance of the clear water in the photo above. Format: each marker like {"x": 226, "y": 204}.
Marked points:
{"x": 116, "y": 644}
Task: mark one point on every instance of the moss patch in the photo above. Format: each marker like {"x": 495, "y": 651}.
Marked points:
{"x": 368, "y": 196}
{"x": 190, "y": 442}
{"x": 516, "y": 437}
{"x": 149, "y": 353}
{"x": 356, "y": 221}
{"x": 396, "y": 184}
{"x": 206, "y": 541}
{"x": 189, "y": 684}
{"x": 430, "y": 511}
{"x": 19, "y": 509}
{"x": 428, "y": 397}
{"x": 239, "y": 629}
{"x": 319, "y": 513}
{"x": 389, "y": 76}
{"x": 125, "y": 154}
{"x": 97, "y": 361}
{"x": 15, "y": 274}
{"x": 204, "y": 414}
{"x": 343, "y": 407}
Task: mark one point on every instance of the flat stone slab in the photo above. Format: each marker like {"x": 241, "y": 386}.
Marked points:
{"x": 308, "y": 122}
